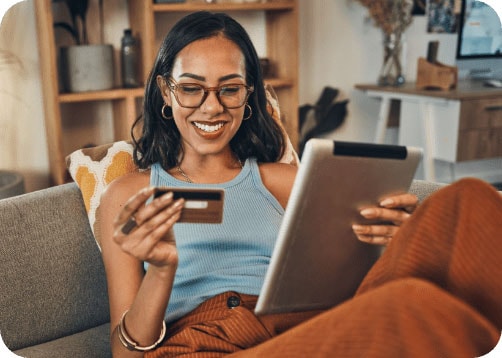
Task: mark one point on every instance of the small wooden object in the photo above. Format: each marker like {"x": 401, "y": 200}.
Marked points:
{"x": 435, "y": 75}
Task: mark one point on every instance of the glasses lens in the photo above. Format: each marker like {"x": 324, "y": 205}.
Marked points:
{"x": 233, "y": 96}
{"x": 190, "y": 95}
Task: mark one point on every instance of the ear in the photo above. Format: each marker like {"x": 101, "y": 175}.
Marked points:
{"x": 164, "y": 90}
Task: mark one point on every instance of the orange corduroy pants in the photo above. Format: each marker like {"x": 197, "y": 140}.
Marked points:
{"x": 435, "y": 292}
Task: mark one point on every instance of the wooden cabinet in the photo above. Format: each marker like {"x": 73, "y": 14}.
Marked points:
{"x": 480, "y": 129}
{"x": 149, "y": 22}
{"x": 459, "y": 125}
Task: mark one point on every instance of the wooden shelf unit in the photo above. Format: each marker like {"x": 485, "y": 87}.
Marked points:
{"x": 281, "y": 21}
{"x": 60, "y": 107}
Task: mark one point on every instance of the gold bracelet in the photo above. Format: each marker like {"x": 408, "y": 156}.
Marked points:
{"x": 131, "y": 345}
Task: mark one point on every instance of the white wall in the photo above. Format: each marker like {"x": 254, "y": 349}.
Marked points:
{"x": 339, "y": 47}
{"x": 22, "y": 130}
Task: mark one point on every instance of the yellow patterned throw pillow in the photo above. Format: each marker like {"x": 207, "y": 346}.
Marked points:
{"x": 93, "y": 169}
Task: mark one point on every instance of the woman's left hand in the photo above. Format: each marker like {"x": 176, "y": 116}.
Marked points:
{"x": 393, "y": 211}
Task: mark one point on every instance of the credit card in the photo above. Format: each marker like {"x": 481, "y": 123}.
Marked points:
{"x": 201, "y": 205}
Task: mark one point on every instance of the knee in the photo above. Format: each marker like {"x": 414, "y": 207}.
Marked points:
{"x": 469, "y": 190}
{"x": 471, "y": 186}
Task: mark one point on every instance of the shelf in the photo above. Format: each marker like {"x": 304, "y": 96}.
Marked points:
{"x": 189, "y": 7}
{"x": 114, "y": 94}
{"x": 277, "y": 83}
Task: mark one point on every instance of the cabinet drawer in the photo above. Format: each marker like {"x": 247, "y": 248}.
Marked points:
{"x": 484, "y": 113}
{"x": 479, "y": 144}
{"x": 480, "y": 129}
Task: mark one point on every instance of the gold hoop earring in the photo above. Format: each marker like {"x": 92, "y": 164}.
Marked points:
{"x": 162, "y": 112}
{"x": 250, "y": 112}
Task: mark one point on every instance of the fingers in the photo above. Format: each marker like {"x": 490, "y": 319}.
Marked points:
{"x": 133, "y": 205}
{"x": 139, "y": 228}
{"x": 407, "y": 202}
{"x": 135, "y": 212}
{"x": 392, "y": 213}
{"x": 155, "y": 233}
{"x": 375, "y": 234}
{"x": 395, "y": 216}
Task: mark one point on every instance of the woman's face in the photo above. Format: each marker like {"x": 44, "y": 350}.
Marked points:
{"x": 211, "y": 62}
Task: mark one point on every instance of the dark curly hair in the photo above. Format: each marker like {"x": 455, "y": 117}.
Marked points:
{"x": 159, "y": 141}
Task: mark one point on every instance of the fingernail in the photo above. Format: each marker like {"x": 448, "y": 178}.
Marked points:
{"x": 145, "y": 190}
{"x": 367, "y": 212}
{"x": 167, "y": 196}
{"x": 365, "y": 239}
{"x": 358, "y": 228}
{"x": 387, "y": 202}
{"x": 179, "y": 203}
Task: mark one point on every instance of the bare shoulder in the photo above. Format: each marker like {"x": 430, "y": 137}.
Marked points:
{"x": 121, "y": 189}
{"x": 278, "y": 178}
{"x": 113, "y": 198}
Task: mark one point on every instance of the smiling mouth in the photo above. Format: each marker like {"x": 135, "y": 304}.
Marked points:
{"x": 208, "y": 128}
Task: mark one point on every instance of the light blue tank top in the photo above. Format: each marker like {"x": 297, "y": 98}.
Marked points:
{"x": 232, "y": 256}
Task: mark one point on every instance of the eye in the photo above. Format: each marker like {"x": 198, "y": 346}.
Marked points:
{"x": 190, "y": 89}
{"x": 230, "y": 90}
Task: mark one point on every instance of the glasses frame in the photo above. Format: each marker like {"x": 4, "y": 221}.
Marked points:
{"x": 173, "y": 86}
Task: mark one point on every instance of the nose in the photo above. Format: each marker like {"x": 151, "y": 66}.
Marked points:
{"x": 212, "y": 103}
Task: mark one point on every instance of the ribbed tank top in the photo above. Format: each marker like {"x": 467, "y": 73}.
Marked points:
{"x": 231, "y": 256}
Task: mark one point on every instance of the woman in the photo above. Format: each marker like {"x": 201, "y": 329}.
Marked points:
{"x": 205, "y": 124}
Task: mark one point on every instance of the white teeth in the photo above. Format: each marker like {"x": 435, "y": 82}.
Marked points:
{"x": 207, "y": 127}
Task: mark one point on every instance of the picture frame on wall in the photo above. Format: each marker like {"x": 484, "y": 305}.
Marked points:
{"x": 419, "y": 7}
{"x": 442, "y": 16}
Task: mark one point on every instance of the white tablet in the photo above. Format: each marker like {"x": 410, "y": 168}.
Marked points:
{"x": 317, "y": 261}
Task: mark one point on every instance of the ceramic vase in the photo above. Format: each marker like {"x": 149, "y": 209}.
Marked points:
{"x": 87, "y": 67}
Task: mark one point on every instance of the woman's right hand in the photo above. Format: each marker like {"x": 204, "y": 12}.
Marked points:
{"x": 145, "y": 231}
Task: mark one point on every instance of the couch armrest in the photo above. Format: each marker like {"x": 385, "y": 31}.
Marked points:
{"x": 422, "y": 188}
{"x": 53, "y": 282}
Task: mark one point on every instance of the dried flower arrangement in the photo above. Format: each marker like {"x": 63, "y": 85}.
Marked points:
{"x": 390, "y": 16}
{"x": 393, "y": 17}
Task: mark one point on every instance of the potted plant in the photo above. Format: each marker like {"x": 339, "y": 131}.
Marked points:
{"x": 84, "y": 66}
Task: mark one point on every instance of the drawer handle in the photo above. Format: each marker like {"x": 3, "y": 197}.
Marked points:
{"x": 494, "y": 108}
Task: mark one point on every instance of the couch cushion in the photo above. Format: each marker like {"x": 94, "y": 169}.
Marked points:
{"x": 53, "y": 281}
{"x": 94, "y": 342}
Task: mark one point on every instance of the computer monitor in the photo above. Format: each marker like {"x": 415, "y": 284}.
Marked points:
{"x": 479, "y": 44}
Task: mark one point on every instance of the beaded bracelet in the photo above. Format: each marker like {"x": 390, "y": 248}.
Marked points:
{"x": 131, "y": 345}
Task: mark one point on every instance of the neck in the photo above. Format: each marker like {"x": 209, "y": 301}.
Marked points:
{"x": 207, "y": 170}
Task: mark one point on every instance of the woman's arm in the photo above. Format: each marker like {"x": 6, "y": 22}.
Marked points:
{"x": 143, "y": 296}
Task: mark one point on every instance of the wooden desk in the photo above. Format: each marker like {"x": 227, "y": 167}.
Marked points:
{"x": 457, "y": 125}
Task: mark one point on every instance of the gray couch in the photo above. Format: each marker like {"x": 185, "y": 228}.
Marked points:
{"x": 53, "y": 298}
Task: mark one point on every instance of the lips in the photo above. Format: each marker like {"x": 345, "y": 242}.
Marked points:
{"x": 209, "y": 131}
{"x": 209, "y": 128}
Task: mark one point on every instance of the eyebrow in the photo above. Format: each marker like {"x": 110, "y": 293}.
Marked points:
{"x": 201, "y": 78}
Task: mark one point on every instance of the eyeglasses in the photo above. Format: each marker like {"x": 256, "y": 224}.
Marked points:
{"x": 192, "y": 95}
